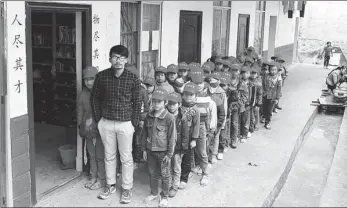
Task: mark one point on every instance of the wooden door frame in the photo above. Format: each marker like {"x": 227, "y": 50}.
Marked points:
{"x": 200, "y": 14}
{"x": 3, "y": 93}
{"x": 238, "y": 31}
{"x": 87, "y": 53}
{"x": 272, "y": 44}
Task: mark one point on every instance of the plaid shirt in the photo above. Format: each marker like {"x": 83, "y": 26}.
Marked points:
{"x": 116, "y": 98}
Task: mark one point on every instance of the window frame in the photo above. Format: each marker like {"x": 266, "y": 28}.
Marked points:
{"x": 160, "y": 3}
{"x": 228, "y": 10}
{"x": 261, "y": 9}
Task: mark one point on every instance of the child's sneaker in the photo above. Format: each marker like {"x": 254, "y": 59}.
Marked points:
{"x": 150, "y": 198}
{"x": 91, "y": 181}
{"x": 109, "y": 189}
{"x": 262, "y": 120}
{"x": 195, "y": 169}
{"x": 267, "y": 126}
{"x": 220, "y": 156}
{"x": 163, "y": 202}
{"x": 255, "y": 128}
{"x": 173, "y": 191}
{"x": 204, "y": 180}
{"x": 233, "y": 144}
{"x": 98, "y": 185}
{"x": 199, "y": 172}
{"x": 183, "y": 185}
{"x": 214, "y": 159}
{"x": 225, "y": 149}
{"x": 249, "y": 135}
{"x": 243, "y": 139}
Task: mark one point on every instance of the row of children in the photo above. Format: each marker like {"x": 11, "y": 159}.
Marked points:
{"x": 193, "y": 113}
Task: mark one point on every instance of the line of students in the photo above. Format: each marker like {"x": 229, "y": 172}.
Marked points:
{"x": 196, "y": 112}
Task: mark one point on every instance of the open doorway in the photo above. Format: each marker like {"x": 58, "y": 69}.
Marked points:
{"x": 272, "y": 36}
{"x": 57, "y": 51}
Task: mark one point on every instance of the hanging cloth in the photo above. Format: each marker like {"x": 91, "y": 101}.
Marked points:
{"x": 285, "y": 6}
{"x": 302, "y": 8}
{"x": 290, "y": 9}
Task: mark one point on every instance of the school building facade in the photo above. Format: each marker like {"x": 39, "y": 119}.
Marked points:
{"x": 49, "y": 43}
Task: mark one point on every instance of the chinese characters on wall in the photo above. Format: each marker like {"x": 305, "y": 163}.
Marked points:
{"x": 16, "y": 44}
{"x": 96, "y": 42}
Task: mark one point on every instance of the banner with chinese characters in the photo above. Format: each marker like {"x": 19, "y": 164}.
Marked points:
{"x": 16, "y": 59}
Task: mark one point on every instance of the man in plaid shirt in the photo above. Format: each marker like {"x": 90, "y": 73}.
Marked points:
{"x": 116, "y": 105}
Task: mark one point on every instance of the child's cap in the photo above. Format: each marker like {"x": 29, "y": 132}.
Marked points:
{"x": 255, "y": 70}
{"x": 90, "y": 72}
{"x": 226, "y": 75}
{"x": 179, "y": 82}
{"x": 160, "y": 94}
{"x": 172, "y": 68}
{"x": 245, "y": 69}
{"x": 271, "y": 63}
{"x": 183, "y": 66}
{"x": 215, "y": 75}
{"x": 133, "y": 70}
{"x": 224, "y": 80}
{"x": 190, "y": 87}
{"x": 249, "y": 59}
{"x": 211, "y": 64}
{"x": 218, "y": 60}
{"x": 160, "y": 69}
{"x": 250, "y": 48}
{"x": 280, "y": 59}
{"x": 274, "y": 57}
{"x": 175, "y": 97}
{"x": 232, "y": 59}
{"x": 149, "y": 80}
{"x": 206, "y": 67}
{"x": 227, "y": 62}
{"x": 196, "y": 74}
{"x": 235, "y": 67}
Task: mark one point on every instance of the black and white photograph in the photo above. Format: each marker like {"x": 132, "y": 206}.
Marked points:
{"x": 173, "y": 103}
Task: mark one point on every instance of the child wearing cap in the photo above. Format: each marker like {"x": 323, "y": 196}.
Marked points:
{"x": 206, "y": 67}
{"x": 160, "y": 78}
{"x": 256, "y": 99}
{"x": 234, "y": 104}
{"x": 88, "y": 131}
{"x": 218, "y": 95}
{"x": 183, "y": 69}
{"x": 182, "y": 144}
{"x": 219, "y": 64}
{"x": 264, "y": 71}
{"x": 158, "y": 145}
{"x": 224, "y": 139}
{"x": 282, "y": 72}
{"x": 149, "y": 82}
{"x": 272, "y": 86}
{"x": 244, "y": 90}
{"x": 171, "y": 74}
{"x": 249, "y": 61}
{"x": 226, "y": 64}
{"x": 197, "y": 119}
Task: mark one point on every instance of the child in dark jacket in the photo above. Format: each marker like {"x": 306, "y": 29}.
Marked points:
{"x": 88, "y": 131}
{"x": 256, "y": 99}
{"x": 244, "y": 89}
{"x": 182, "y": 144}
{"x": 158, "y": 145}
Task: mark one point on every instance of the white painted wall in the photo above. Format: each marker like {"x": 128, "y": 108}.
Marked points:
{"x": 109, "y": 33}
{"x": 170, "y": 28}
{"x": 241, "y": 7}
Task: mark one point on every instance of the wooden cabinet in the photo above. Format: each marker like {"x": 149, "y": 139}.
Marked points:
{"x": 54, "y": 67}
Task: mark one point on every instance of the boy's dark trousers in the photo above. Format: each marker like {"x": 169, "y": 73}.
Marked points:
{"x": 245, "y": 121}
{"x": 261, "y": 108}
{"x": 224, "y": 139}
{"x": 268, "y": 107}
{"x": 96, "y": 158}
{"x": 254, "y": 118}
{"x": 186, "y": 165}
{"x": 137, "y": 153}
{"x": 234, "y": 124}
{"x": 326, "y": 61}
{"x": 157, "y": 168}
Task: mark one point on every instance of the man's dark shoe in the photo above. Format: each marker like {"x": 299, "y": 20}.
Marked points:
{"x": 126, "y": 196}
{"x": 278, "y": 107}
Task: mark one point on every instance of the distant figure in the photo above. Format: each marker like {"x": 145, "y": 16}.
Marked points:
{"x": 327, "y": 54}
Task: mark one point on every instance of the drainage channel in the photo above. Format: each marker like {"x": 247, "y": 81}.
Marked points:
{"x": 307, "y": 178}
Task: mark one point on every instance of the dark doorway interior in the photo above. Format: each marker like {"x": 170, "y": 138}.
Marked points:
{"x": 242, "y": 33}
{"x": 190, "y": 37}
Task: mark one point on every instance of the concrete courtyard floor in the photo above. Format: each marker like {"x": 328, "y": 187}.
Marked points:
{"x": 233, "y": 181}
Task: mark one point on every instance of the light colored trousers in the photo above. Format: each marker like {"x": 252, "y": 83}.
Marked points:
{"x": 176, "y": 161}
{"x": 118, "y": 136}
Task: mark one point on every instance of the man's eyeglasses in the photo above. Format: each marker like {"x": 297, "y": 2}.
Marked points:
{"x": 118, "y": 58}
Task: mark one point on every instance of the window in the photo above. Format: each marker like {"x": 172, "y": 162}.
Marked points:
{"x": 221, "y": 26}
{"x": 259, "y": 27}
{"x": 151, "y": 33}
{"x": 130, "y": 25}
